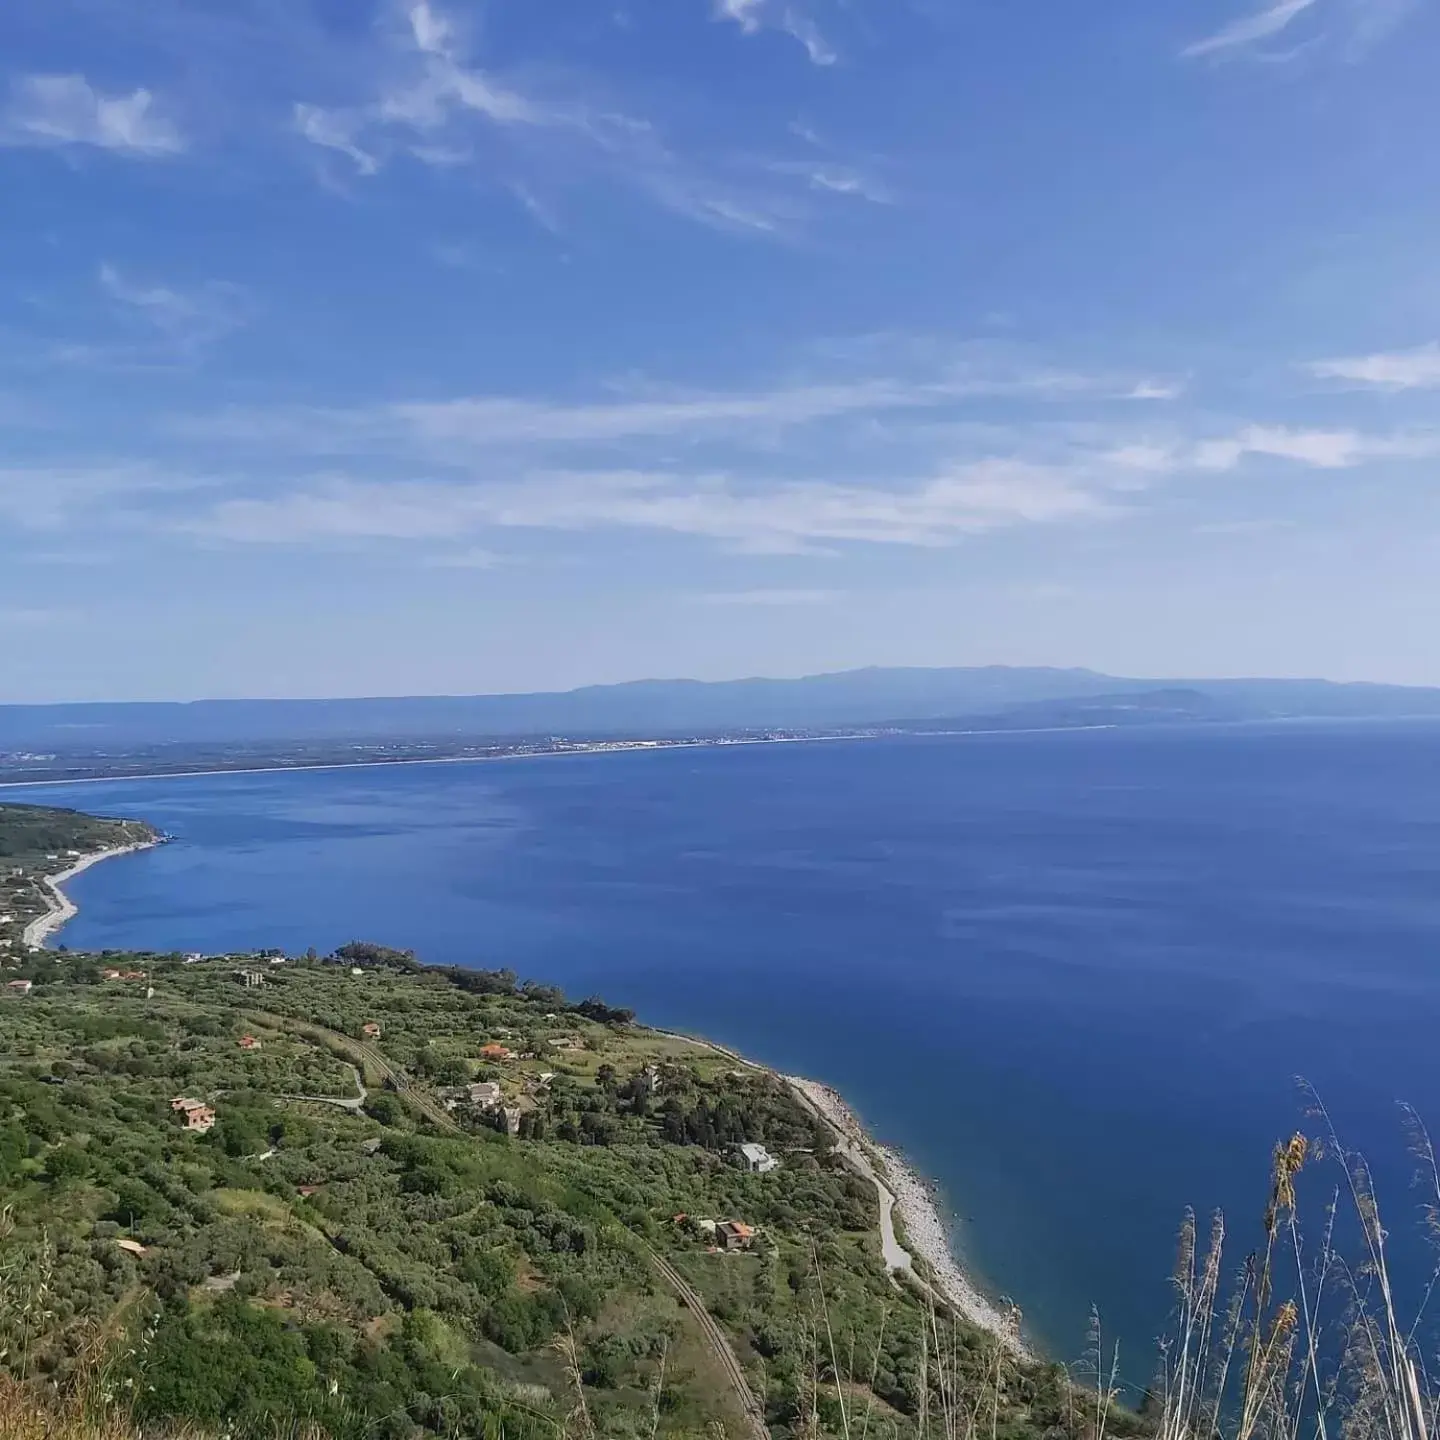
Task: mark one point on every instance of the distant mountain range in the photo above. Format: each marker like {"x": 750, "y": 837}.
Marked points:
{"x": 987, "y": 697}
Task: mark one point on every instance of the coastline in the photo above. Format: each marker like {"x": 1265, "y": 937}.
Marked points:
{"x": 901, "y": 1191}
{"x": 62, "y": 909}
{"x": 603, "y": 747}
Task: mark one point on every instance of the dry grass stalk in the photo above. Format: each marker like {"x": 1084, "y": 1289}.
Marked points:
{"x": 578, "y": 1422}
{"x": 1294, "y": 1377}
{"x": 874, "y": 1373}
{"x": 658, "y": 1388}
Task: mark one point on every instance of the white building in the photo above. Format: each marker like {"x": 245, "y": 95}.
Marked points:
{"x": 758, "y": 1160}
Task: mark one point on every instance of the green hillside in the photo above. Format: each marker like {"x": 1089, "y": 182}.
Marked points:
{"x": 358, "y": 1243}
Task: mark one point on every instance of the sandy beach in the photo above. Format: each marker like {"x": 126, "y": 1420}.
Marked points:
{"x": 904, "y": 1193}
{"x": 61, "y": 908}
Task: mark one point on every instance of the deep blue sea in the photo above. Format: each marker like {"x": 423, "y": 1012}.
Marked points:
{"x": 1072, "y": 974}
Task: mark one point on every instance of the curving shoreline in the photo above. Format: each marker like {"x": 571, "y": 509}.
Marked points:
{"x": 61, "y": 908}
{"x": 903, "y": 1192}
{"x": 900, "y": 1190}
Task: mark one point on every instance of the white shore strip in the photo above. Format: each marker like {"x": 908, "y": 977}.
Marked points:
{"x": 599, "y": 747}
{"x": 60, "y": 907}
{"x": 903, "y": 1191}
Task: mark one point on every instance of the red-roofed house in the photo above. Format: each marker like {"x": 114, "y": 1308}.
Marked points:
{"x": 198, "y": 1116}
{"x": 735, "y": 1234}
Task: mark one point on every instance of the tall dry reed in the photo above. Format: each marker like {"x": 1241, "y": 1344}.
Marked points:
{"x": 1309, "y": 1341}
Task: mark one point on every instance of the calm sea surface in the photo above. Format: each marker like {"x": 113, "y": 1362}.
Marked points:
{"x": 1073, "y": 975}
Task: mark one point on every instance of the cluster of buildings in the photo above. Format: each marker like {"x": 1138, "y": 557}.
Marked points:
{"x": 487, "y": 1097}
{"x": 124, "y": 976}
{"x": 734, "y": 1235}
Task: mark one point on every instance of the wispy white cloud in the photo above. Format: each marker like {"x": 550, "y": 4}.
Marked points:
{"x": 1156, "y": 389}
{"x": 335, "y": 130}
{"x": 434, "y": 105}
{"x": 59, "y": 111}
{"x": 745, "y": 13}
{"x": 537, "y": 209}
{"x": 461, "y": 427}
{"x": 783, "y": 518}
{"x": 163, "y": 326}
{"x": 1320, "y": 449}
{"x": 1349, "y": 28}
{"x": 481, "y": 492}
{"x": 1250, "y": 29}
{"x": 1417, "y": 369}
{"x": 802, "y": 28}
{"x": 836, "y": 179}
{"x": 753, "y": 16}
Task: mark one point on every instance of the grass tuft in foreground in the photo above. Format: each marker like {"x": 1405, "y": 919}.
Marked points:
{"x": 1309, "y": 1340}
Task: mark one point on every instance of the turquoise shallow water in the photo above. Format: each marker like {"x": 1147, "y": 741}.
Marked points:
{"x": 1072, "y": 974}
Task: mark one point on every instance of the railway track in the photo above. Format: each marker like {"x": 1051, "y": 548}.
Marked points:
{"x": 749, "y": 1403}
{"x": 368, "y": 1056}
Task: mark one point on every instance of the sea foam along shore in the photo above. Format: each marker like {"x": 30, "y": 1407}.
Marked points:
{"x": 60, "y": 907}
{"x": 903, "y": 1191}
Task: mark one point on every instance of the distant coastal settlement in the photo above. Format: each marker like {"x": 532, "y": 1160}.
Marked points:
{"x": 769, "y": 1207}
{"x": 122, "y": 759}
{"x": 20, "y": 770}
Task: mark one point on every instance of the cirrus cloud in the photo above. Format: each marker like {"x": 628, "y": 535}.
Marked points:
{"x": 1417, "y": 369}
{"x": 60, "y": 111}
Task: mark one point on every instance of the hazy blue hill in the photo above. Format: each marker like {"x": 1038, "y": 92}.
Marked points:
{"x": 1173, "y": 704}
{"x": 856, "y": 697}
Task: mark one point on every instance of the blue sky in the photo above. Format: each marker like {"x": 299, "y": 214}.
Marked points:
{"x": 355, "y": 348}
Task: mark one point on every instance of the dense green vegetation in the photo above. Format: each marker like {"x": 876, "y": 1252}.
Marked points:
{"x": 399, "y": 1269}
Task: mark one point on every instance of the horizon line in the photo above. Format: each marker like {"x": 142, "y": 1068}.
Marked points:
{"x": 751, "y": 679}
